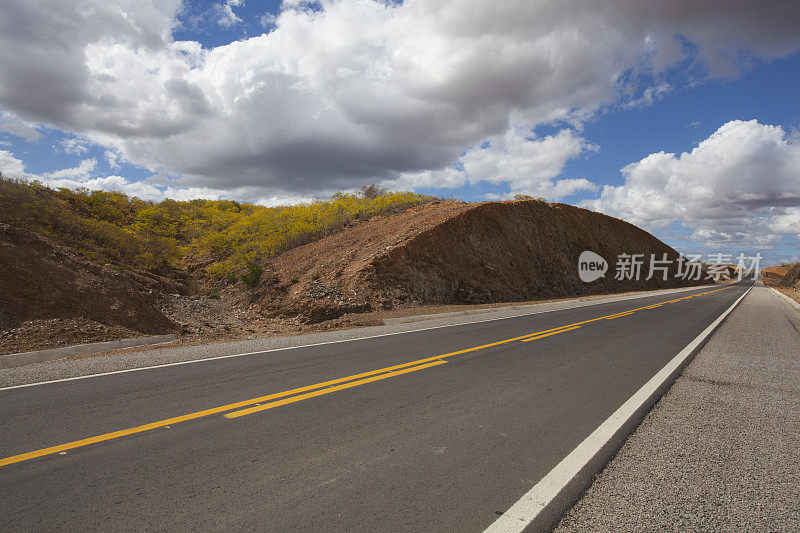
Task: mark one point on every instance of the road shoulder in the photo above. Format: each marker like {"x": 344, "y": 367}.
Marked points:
{"x": 719, "y": 450}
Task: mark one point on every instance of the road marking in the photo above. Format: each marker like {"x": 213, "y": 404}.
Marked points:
{"x": 548, "y": 334}
{"x": 311, "y": 345}
{"x": 618, "y": 315}
{"x": 329, "y": 390}
{"x": 558, "y": 330}
{"x": 274, "y": 396}
{"x": 216, "y": 410}
{"x": 544, "y": 504}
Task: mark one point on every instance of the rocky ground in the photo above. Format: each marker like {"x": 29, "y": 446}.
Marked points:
{"x": 58, "y": 332}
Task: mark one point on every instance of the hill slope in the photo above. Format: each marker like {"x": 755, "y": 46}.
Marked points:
{"x": 455, "y": 253}
{"x": 792, "y": 278}
{"x": 45, "y": 281}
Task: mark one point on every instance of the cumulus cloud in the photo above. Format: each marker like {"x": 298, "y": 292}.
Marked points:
{"x": 526, "y": 163}
{"x": 47, "y": 78}
{"x": 11, "y": 167}
{"x": 80, "y": 173}
{"x": 350, "y": 91}
{"x": 740, "y": 186}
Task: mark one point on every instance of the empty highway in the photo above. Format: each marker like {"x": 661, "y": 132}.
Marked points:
{"x": 441, "y": 429}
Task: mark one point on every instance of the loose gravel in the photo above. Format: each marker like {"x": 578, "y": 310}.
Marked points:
{"x": 721, "y": 450}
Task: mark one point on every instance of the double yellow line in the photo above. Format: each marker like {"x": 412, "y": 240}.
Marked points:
{"x": 278, "y": 399}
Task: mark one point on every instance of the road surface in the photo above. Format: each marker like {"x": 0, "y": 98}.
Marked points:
{"x": 720, "y": 451}
{"x": 437, "y": 430}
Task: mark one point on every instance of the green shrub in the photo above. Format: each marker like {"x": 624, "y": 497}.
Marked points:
{"x": 253, "y": 275}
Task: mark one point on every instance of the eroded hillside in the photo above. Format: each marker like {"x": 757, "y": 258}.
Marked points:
{"x": 50, "y": 292}
{"x": 455, "y": 253}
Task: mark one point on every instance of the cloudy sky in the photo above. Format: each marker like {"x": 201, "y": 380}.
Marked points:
{"x": 679, "y": 116}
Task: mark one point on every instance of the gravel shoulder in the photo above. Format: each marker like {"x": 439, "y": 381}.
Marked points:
{"x": 720, "y": 451}
{"x": 139, "y": 358}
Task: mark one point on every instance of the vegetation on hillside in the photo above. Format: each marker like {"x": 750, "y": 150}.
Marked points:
{"x": 528, "y": 197}
{"x": 229, "y": 240}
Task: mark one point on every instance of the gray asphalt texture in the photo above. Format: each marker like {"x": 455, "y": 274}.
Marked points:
{"x": 143, "y": 358}
{"x": 441, "y": 449}
{"x": 721, "y": 450}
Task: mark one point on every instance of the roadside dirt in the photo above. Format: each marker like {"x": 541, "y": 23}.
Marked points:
{"x": 774, "y": 274}
{"x": 51, "y": 296}
{"x": 265, "y": 328}
{"x": 439, "y": 257}
{"x": 58, "y": 332}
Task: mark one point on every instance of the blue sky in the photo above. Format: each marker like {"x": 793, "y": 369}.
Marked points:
{"x": 277, "y": 103}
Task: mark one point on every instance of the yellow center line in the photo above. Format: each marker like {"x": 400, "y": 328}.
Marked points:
{"x": 548, "y": 334}
{"x": 192, "y": 416}
{"x": 216, "y": 410}
{"x": 329, "y": 390}
{"x": 303, "y": 393}
{"x": 618, "y": 315}
{"x": 554, "y": 330}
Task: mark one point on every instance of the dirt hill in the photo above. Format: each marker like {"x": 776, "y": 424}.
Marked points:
{"x": 792, "y": 277}
{"x": 455, "y": 253}
{"x": 50, "y": 287}
{"x": 774, "y": 273}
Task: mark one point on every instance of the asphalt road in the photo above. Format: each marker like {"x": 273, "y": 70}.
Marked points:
{"x": 412, "y": 439}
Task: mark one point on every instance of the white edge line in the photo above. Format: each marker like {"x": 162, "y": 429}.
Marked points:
{"x": 229, "y": 356}
{"x": 789, "y": 300}
{"x": 550, "y": 487}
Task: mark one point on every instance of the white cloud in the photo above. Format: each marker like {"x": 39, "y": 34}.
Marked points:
{"x": 353, "y": 90}
{"x": 81, "y": 173}
{"x": 112, "y": 159}
{"x": 785, "y": 221}
{"x": 225, "y": 15}
{"x": 649, "y": 96}
{"x": 267, "y": 20}
{"x": 74, "y": 146}
{"x": 740, "y": 186}
{"x": 526, "y": 163}
{"x": 274, "y": 201}
{"x": 82, "y": 177}
{"x": 11, "y": 167}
